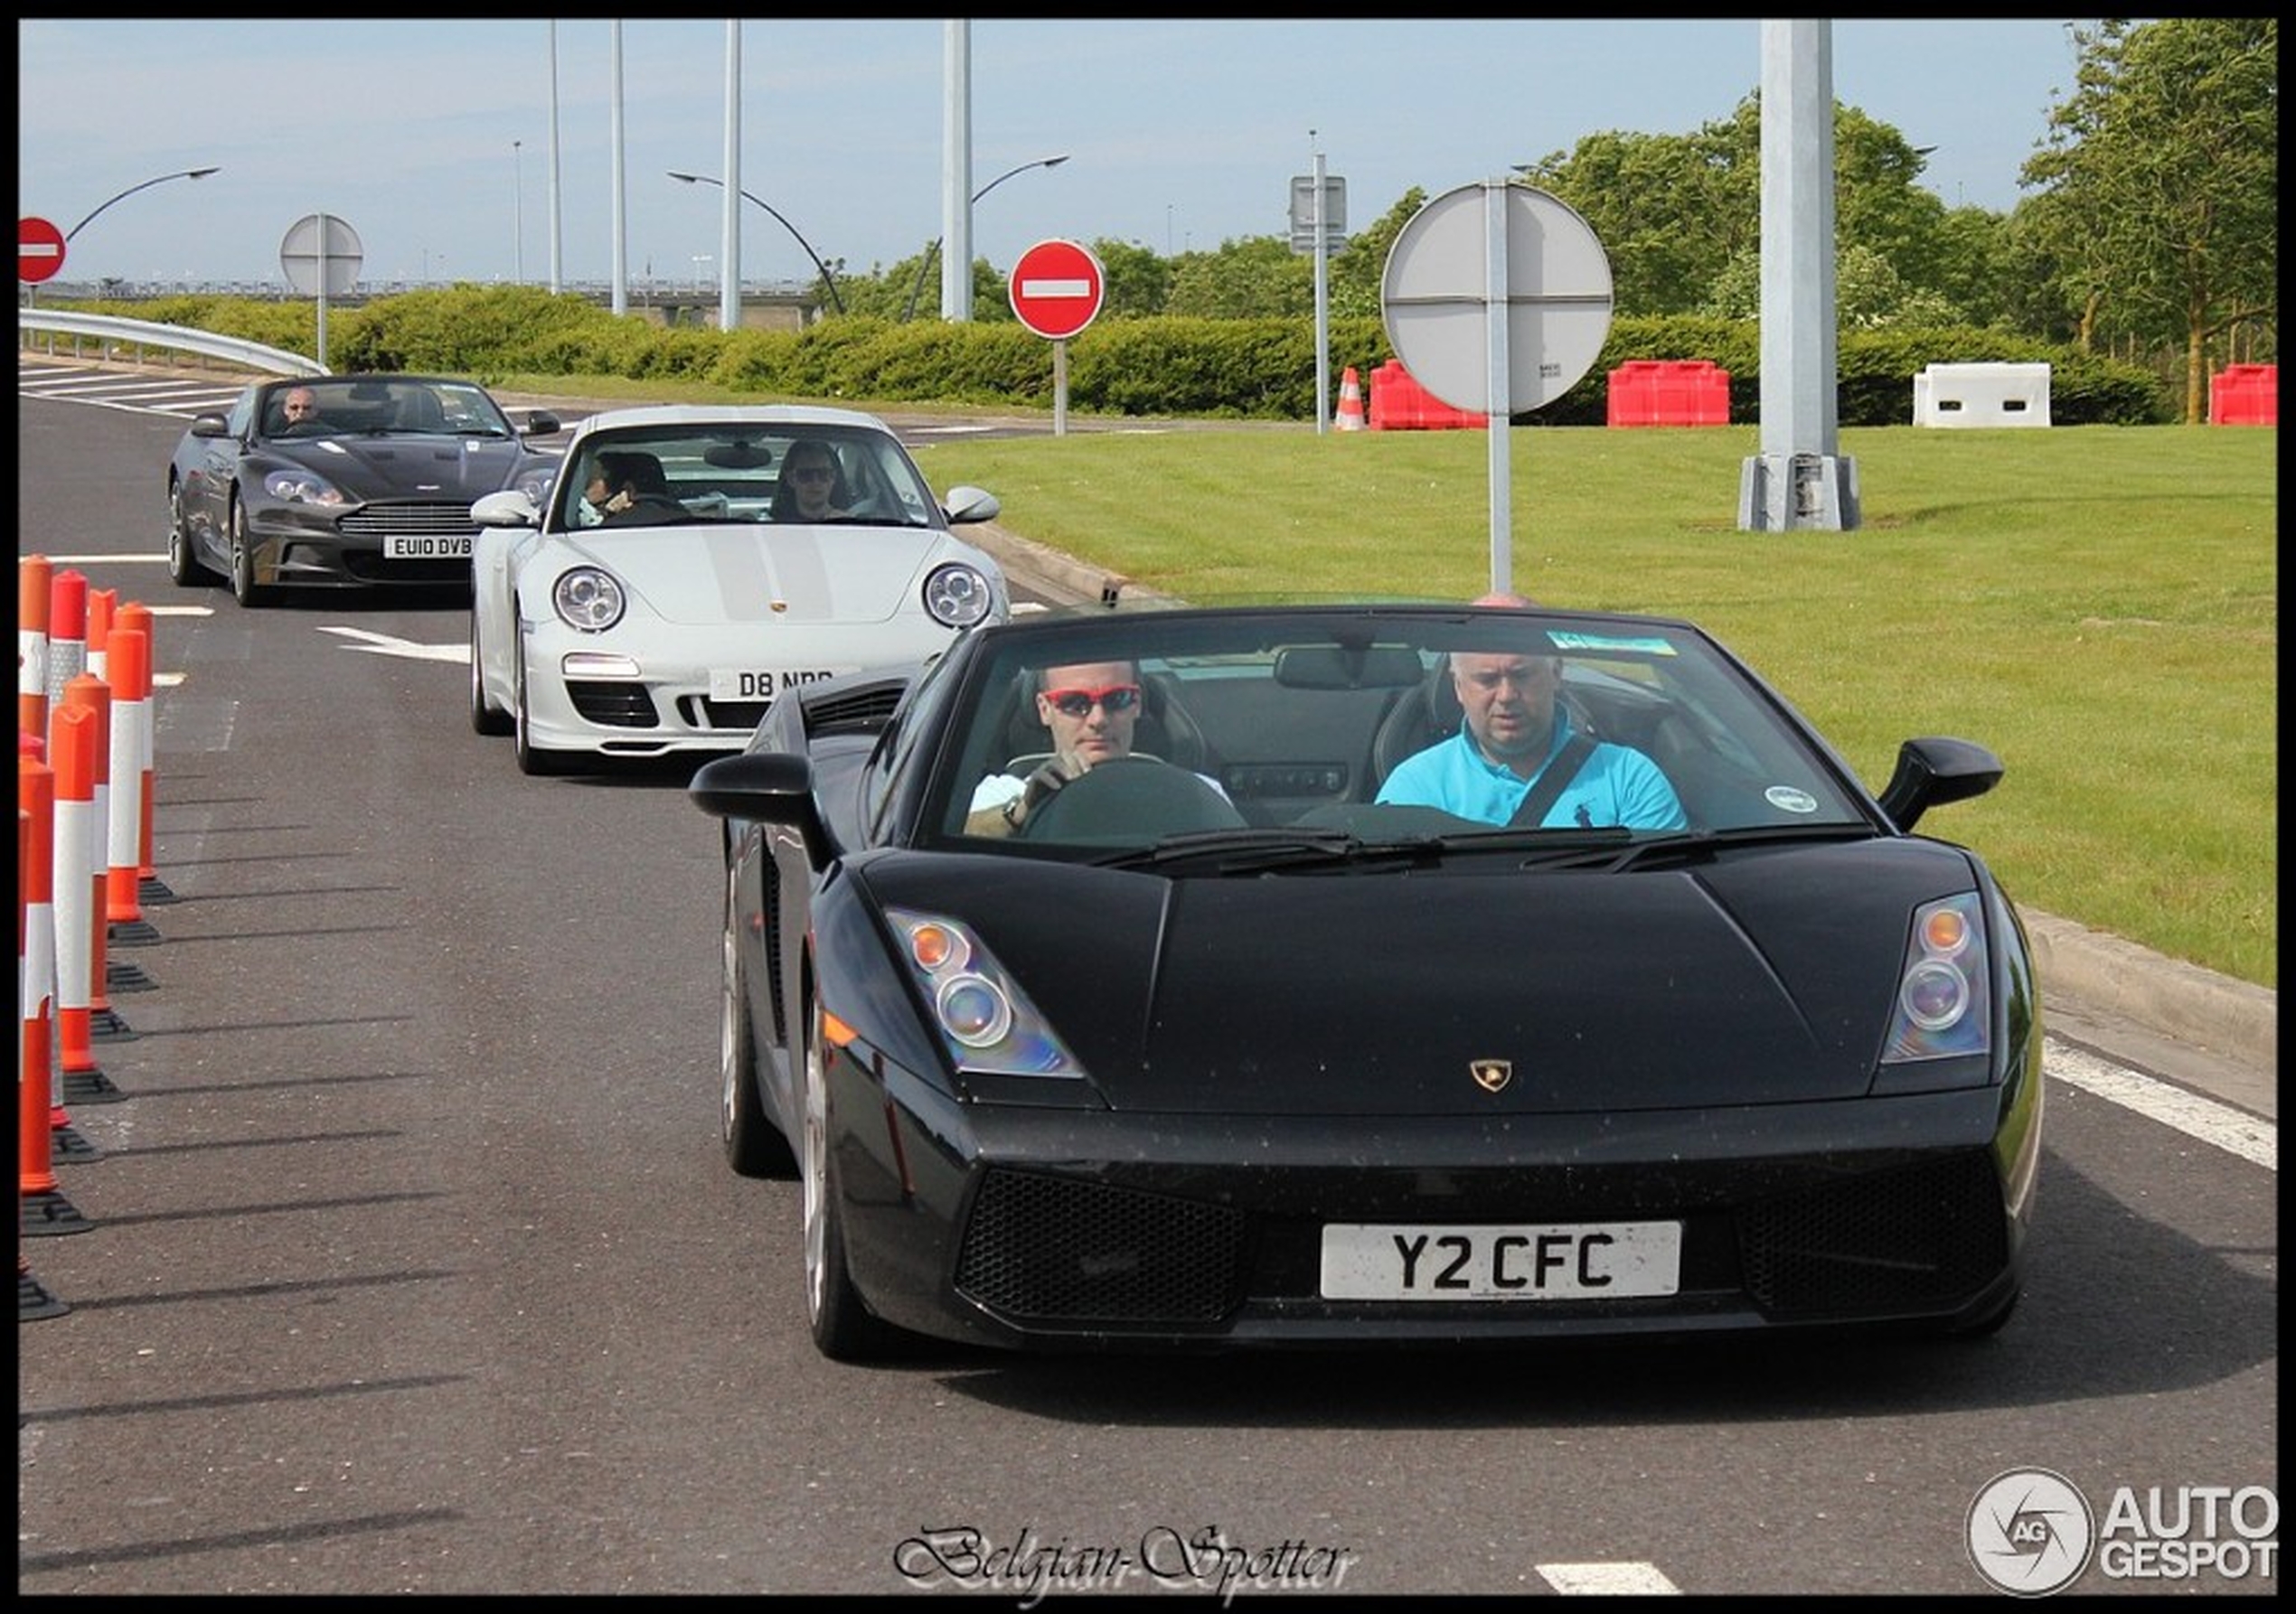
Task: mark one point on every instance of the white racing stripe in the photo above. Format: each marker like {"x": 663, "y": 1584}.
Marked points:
{"x": 2236, "y": 1131}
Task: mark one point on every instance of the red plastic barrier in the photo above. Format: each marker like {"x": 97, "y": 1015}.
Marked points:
{"x": 1398, "y": 403}
{"x": 2244, "y": 395}
{"x": 1669, "y": 393}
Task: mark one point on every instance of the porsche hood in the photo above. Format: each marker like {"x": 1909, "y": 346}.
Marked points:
{"x": 702, "y": 574}
{"x": 1446, "y": 993}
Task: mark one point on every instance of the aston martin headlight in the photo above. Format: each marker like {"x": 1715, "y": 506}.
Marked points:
{"x": 536, "y": 482}
{"x": 295, "y": 485}
{"x": 1943, "y": 1005}
{"x": 986, "y": 1021}
{"x": 589, "y": 600}
{"x": 957, "y": 595}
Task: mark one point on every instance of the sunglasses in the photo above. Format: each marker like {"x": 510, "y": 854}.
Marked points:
{"x": 1079, "y": 703}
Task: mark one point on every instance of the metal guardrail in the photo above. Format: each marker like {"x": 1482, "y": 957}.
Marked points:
{"x": 132, "y": 337}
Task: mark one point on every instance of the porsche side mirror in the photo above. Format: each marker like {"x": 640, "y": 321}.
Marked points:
{"x": 509, "y": 508}
{"x": 209, "y": 425}
{"x": 970, "y": 504}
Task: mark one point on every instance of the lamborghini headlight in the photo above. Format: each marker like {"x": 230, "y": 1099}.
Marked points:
{"x": 1944, "y": 1007}
{"x": 984, "y": 1019}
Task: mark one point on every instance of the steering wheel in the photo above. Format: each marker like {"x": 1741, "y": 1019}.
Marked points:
{"x": 1128, "y": 801}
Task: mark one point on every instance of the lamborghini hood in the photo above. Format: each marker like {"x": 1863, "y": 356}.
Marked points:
{"x": 1769, "y": 979}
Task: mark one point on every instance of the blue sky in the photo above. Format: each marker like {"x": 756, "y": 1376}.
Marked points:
{"x": 1180, "y": 134}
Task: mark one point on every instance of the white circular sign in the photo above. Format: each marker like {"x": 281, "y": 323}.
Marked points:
{"x": 1433, "y": 301}
{"x": 300, "y": 255}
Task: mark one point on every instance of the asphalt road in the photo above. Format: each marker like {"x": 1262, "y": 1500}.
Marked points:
{"x": 413, "y": 1263}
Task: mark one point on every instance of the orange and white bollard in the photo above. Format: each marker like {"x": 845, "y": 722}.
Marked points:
{"x": 128, "y": 661}
{"x": 1350, "y": 418}
{"x": 44, "y": 1210}
{"x": 35, "y": 584}
{"x": 34, "y": 1300}
{"x": 150, "y": 889}
{"x": 78, "y": 736}
{"x": 82, "y": 1080}
{"x": 103, "y": 604}
{"x": 67, "y": 641}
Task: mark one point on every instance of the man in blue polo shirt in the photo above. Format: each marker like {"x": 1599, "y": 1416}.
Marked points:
{"x": 1515, "y": 730}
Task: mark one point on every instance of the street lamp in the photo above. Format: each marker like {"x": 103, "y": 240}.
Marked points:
{"x": 926, "y": 263}
{"x": 836, "y": 300}
{"x": 518, "y": 211}
{"x": 124, "y": 195}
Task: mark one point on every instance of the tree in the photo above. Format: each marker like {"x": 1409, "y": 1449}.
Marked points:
{"x": 2160, "y": 184}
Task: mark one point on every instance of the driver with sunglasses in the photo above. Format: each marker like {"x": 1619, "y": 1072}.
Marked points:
{"x": 1090, "y": 711}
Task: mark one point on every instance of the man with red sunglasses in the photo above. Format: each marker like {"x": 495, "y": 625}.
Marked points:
{"x": 1090, "y": 709}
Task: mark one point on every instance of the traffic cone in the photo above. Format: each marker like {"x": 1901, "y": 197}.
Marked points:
{"x": 1350, "y": 401}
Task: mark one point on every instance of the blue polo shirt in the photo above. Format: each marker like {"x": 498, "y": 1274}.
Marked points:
{"x": 1615, "y": 785}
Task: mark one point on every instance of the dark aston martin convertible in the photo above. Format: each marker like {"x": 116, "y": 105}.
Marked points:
{"x": 1199, "y": 978}
{"x": 345, "y": 481}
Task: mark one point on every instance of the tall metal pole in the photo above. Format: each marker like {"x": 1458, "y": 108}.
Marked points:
{"x": 621, "y": 216}
{"x": 1798, "y": 481}
{"x": 956, "y": 171}
{"x": 1323, "y": 303}
{"x": 557, "y": 231}
{"x": 729, "y": 279}
{"x": 518, "y": 213}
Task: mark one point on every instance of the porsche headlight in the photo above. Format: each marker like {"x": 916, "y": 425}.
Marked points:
{"x": 1943, "y": 1005}
{"x": 985, "y": 1021}
{"x": 295, "y": 485}
{"x": 588, "y": 599}
{"x": 957, "y": 595}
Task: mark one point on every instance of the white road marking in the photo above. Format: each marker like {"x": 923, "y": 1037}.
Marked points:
{"x": 1608, "y": 1580}
{"x": 2236, "y": 1131}
{"x": 385, "y": 644}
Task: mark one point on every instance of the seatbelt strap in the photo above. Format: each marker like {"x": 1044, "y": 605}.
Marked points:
{"x": 1531, "y": 812}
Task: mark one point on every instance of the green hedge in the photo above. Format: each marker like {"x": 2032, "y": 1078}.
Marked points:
{"x": 1163, "y": 365}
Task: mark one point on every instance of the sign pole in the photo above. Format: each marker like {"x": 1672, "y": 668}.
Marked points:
{"x": 1323, "y": 307}
{"x": 322, "y": 355}
{"x": 1060, "y": 387}
{"x": 1501, "y": 464}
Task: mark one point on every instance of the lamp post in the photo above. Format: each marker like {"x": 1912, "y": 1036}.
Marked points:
{"x": 836, "y": 300}
{"x": 924, "y": 264}
{"x": 518, "y": 211}
{"x": 124, "y": 195}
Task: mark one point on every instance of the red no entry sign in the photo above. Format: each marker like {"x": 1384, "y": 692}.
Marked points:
{"x": 1056, "y": 288}
{"x": 39, "y": 248}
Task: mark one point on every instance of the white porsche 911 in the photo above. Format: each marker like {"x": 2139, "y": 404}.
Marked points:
{"x": 692, "y": 563}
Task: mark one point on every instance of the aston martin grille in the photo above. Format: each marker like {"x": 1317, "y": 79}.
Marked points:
{"x": 433, "y": 519}
{"x": 1051, "y": 1248}
{"x": 1930, "y": 1233}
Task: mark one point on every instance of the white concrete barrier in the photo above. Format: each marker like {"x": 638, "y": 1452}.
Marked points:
{"x": 1981, "y": 394}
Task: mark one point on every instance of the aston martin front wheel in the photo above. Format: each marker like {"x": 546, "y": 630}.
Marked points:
{"x": 244, "y": 588}
{"x": 183, "y": 567}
